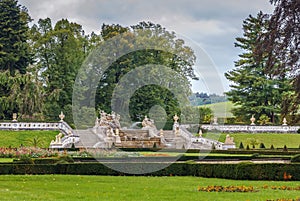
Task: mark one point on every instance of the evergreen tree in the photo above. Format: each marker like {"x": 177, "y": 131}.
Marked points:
{"x": 241, "y": 146}
{"x": 262, "y": 146}
{"x": 256, "y": 92}
{"x": 14, "y": 49}
{"x": 19, "y": 91}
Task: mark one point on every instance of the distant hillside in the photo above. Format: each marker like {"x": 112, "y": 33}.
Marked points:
{"x": 197, "y": 99}
{"x": 222, "y": 109}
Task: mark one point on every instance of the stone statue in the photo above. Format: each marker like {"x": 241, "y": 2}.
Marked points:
{"x": 252, "y": 119}
{"x": 14, "y": 117}
{"x": 57, "y": 139}
{"x": 176, "y": 118}
{"x": 96, "y": 122}
{"x": 110, "y": 120}
{"x": 161, "y": 132}
{"x": 215, "y": 121}
{"x": 229, "y": 140}
{"x": 103, "y": 118}
{"x": 177, "y": 131}
{"x": 148, "y": 122}
{"x": 109, "y": 132}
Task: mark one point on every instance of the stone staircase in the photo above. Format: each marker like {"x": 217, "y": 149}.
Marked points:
{"x": 87, "y": 138}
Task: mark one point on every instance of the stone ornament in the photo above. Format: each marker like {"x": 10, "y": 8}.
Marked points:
{"x": 176, "y": 118}
{"x": 61, "y": 116}
{"x": 284, "y": 122}
{"x": 252, "y": 119}
{"x": 229, "y": 140}
{"x": 14, "y": 117}
{"x": 57, "y": 139}
{"x": 111, "y": 120}
{"x": 148, "y": 122}
{"x": 215, "y": 121}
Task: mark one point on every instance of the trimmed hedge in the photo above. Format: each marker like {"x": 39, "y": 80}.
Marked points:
{"x": 279, "y": 151}
{"x": 243, "y": 171}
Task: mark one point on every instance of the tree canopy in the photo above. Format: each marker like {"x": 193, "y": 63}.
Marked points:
{"x": 14, "y": 49}
{"x": 255, "y": 91}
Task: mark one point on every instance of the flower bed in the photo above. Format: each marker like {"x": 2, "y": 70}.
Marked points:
{"x": 31, "y": 152}
{"x": 227, "y": 189}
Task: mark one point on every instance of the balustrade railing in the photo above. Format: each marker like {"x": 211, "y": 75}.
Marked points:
{"x": 61, "y": 126}
{"x": 248, "y": 128}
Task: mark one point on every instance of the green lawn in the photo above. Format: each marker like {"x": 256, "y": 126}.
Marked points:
{"x": 278, "y": 140}
{"x": 16, "y": 138}
{"x": 222, "y": 109}
{"x": 6, "y": 160}
{"x": 66, "y": 187}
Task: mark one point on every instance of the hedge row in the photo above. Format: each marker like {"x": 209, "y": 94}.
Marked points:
{"x": 244, "y": 171}
{"x": 279, "y": 151}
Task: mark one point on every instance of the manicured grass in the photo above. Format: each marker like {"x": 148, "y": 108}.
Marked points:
{"x": 16, "y": 138}
{"x": 278, "y": 140}
{"x": 66, "y": 187}
{"x": 222, "y": 109}
{"x": 6, "y": 160}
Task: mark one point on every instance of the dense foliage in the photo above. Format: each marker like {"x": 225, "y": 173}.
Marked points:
{"x": 256, "y": 91}
{"x": 281, "y": 42}
{"x": 243, "y": 171}
{"x": 39, "y": 65}
{"x": 56, "y": 52}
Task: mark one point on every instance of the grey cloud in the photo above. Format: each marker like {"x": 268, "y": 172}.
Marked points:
{"x": 211, "y": 23}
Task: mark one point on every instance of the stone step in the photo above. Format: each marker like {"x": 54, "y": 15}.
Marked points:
{"x": 87, "y": 138}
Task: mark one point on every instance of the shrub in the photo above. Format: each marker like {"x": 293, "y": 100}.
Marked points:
{"x": 295, "y": 158}
{"x": 262, "y": 146}
{"x": 65, "y": 159}
{"x": 272, "y": 147}
{"x": 241, "y": 146}
{"x": 241, "y": 171}
{"x": 285, "y": 148}
{"x": 26, "y": 160}
{"x": 248, "y": 148}
{"x": 255, "y": 155}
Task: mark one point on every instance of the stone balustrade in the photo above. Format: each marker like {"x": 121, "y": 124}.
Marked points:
{"x": 61, "y": 126}
{"x": 248, "y": 128}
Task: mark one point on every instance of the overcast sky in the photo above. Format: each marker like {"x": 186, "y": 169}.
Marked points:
{"x": 212, "y": 24}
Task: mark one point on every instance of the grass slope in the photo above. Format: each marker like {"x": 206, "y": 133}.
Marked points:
{"x": 67, "y": 187}
{"x": 277, "y": 140}
{"x": 222, "y": 109}
{"x": 16, "y": 138}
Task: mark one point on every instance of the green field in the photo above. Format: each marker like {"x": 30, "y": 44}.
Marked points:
{"x": 277, "y": 140}
{"x": 25, "y": 138}
{"x": 66, "y": 187}
{"x": 222, "y": 109}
